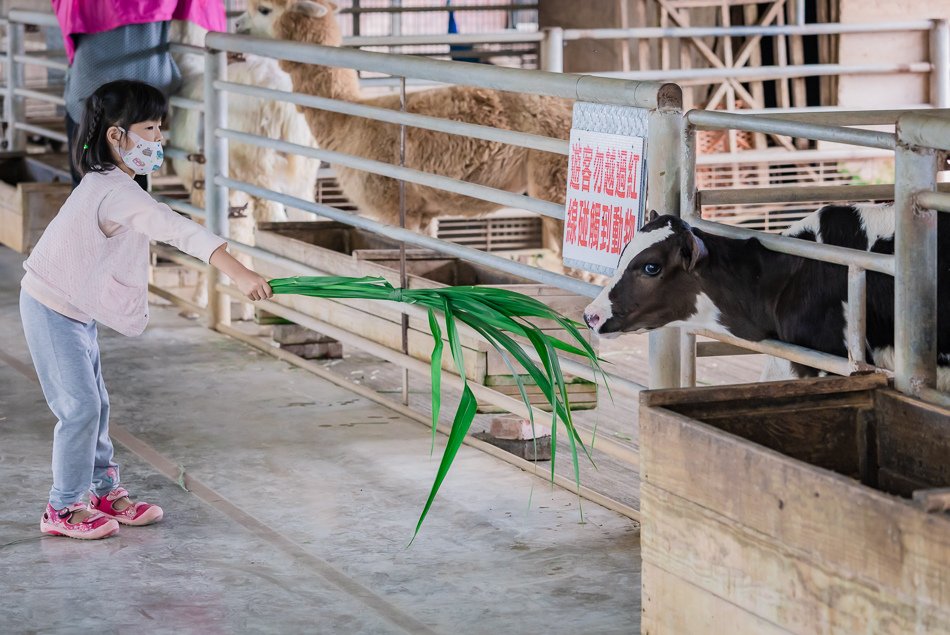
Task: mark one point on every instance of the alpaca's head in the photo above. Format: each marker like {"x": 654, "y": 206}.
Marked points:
{"x": 301, "y": 20}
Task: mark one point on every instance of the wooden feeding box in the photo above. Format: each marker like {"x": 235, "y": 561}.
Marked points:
{"x": 29, "y": 199}
{"x": 785, "y": 508}
{"x": 339, "y": 249}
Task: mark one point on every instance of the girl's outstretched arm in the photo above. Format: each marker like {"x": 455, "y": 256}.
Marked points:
{"x": 251, "y": 284}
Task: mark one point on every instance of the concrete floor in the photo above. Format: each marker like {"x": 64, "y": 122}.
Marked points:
{"x": 302, "y": 500}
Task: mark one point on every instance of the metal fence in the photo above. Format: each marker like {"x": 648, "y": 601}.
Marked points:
{"x": 672, "y": 177}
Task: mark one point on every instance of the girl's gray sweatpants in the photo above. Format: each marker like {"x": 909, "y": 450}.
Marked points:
{"x": 65, "y": 354}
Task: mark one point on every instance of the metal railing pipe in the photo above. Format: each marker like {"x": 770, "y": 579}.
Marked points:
{"x": 498, "y": 37}
{"x": 838, "y": 117}
{"x": 797, "y": 193}
{"x": 41, "y": 131}
{"x": 781, "y": 155}
{"x": 937, "y": 201}
{"x": 462, "y": 252}
{"x": 184, "y": 102}
{"x": 925, "y": 130}
{"x": 216, "y": 165}
{"x": 39, "y": 18}
{"x": 793, "y": 352}
{"x": 35, "y": 59}
{"x": 742, "y": 31}
{"x": 178, "y": 47}
{"x": 441, "y": 9}
{"x": 448, "y": 184}
{"x": 882, "y": 263}
{"x": 723, "y": 120}
{"x": 522, "y": 139}
{"x": 940, "y": 59}
{"x": 38, "y": 95}
{"x": 700, "y": 76}
{"x": 580, "y": 87}
{"x": 915, "y": 250}
{"x": 181, "y": 206}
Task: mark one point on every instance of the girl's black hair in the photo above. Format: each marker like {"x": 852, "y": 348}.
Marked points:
{"x": 121, "y": 103}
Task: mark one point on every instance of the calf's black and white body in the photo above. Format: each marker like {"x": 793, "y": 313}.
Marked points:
{"x": 675, "y": 275}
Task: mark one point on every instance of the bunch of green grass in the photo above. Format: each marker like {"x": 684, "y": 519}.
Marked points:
{"x": 498, "y": 315}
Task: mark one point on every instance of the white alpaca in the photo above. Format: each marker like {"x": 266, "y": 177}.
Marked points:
{"x": 289, "y": 174}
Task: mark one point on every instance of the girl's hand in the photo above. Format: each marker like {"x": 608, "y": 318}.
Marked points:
{"x": 252, "y": 285}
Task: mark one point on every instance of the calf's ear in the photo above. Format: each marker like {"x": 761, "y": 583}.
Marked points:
{"x": 694, "y": 250}
{"x": 650, "y": 216}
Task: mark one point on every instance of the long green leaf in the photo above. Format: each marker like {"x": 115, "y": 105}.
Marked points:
{"x": 501, "y": 317}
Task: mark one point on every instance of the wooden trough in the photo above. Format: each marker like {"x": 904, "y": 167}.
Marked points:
{"x": 339, "y": 249}
{"x": 29, "y": 199}
{"x": 786, "y": 507}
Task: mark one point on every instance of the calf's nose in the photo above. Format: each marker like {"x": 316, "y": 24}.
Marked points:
{"x": 591, "y": 319}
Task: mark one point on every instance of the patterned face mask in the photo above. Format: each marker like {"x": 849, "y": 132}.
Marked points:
{"x": 144, "y": 157}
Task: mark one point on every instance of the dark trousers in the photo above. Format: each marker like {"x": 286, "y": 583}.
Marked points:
{"x": 71, "y": 128}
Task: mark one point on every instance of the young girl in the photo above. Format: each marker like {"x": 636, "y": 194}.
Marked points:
{"x": 91, "y": 267}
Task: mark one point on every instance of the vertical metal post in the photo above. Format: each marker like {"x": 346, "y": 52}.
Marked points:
{"x": 689, "y": 200}
{"x": 552, "y": 50}
{"x": 403, "y": 274}
{"x": 857, "y": 313}
{"x": 395, "y": 25}
{"x": 800, "y": 12}
{"x": 216, "y": 165}
{"x": 14, "y": 107}
{"x": 915, "y": 280}
{"x": 940, "y": 63}
{"x": 663, "y": 165}
{"x": 689, "y": 209}
{"x": 356, "y": 15}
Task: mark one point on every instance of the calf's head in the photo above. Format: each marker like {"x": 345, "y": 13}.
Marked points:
{"x": 656, "y": 283}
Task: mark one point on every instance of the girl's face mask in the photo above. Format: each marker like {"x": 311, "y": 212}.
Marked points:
{"x": 144, "y": 157}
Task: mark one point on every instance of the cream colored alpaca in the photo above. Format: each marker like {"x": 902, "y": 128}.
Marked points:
{"x": 540, "y": 174}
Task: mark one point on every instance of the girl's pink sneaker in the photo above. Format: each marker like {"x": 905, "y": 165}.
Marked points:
{"x": 57, "y": 523}
{"x": 136, "y": 514}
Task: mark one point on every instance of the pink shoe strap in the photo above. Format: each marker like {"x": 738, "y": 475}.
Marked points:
{"x": 69, "y": 509}
{"x": 116, "y": 494}
{"x": 65, "y": 513}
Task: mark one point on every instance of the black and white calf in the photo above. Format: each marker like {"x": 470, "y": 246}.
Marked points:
{"x": 674, "y": 275}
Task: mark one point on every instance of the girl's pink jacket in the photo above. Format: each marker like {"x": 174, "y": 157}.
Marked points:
{"x": 95, "y": 16}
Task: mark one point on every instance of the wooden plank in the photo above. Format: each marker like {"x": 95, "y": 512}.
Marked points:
{"x": 673, "y": 606}
{"x": 759, "y": 574}
{"x": 11, "y": 228}
{"x": 820, "y": 516}
{"x": 790, "y": 388}
{"x": 822, "y": 432}
{"x": 913, "y": 440}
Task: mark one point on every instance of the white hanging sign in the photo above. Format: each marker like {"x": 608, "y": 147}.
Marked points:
{"x": 606, "y": 189}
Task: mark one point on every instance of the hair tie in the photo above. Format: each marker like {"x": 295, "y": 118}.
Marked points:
{"x": 85, "y": 146}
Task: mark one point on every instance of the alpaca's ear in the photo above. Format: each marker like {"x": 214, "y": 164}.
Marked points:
{"x": 310, "y": 9}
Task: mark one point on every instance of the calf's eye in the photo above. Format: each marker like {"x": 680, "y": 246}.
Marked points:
{"x": 651, "y": 269}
